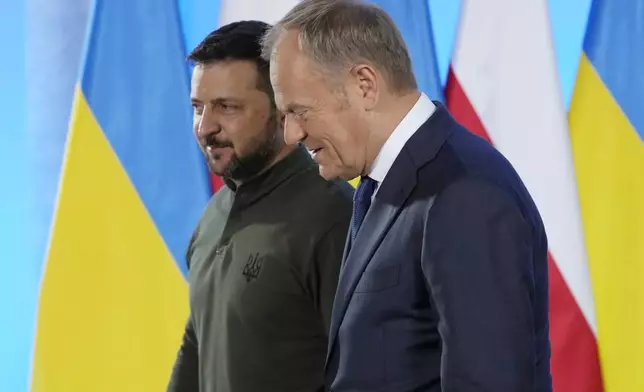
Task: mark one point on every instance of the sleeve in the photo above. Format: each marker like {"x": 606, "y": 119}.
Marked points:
{"x": 323, "y": 279}
{"x": 478, "y": 262}
{"x": 185, "y": 372}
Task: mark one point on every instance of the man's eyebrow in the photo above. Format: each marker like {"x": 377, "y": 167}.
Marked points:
{"x": 217, "y": 100}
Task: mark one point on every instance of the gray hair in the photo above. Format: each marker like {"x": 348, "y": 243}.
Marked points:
{"x": 338, "y": 34}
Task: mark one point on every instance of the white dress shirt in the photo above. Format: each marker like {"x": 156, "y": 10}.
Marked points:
{"x": 414, "y": 119}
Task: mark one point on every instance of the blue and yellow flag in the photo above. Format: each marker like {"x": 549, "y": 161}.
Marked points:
{"x": 113, "y": 300}
{"x": 607, "y": 131}
{"x": 412, "y": 17}
{"x": 56, "y": 36}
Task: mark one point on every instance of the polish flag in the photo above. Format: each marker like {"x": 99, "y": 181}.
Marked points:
{"x": 503, "y": 86}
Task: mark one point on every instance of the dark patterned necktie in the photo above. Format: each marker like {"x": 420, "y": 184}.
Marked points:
{"x": 361, "y": 203}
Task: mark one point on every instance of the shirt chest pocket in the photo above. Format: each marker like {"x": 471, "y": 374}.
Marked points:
{"x": 380, "y": 278}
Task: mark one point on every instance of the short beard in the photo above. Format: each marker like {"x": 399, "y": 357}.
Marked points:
{"x": 244, "y": 168}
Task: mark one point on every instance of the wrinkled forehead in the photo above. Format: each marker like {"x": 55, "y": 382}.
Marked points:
{"x": 288, "y": 68}
{"x": 286, "y": 58}
{"x": 292, "y": 71}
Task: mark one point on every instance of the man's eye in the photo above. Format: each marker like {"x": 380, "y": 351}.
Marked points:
{"x": 227, "y": 107}
{"x": 198, "y": 109}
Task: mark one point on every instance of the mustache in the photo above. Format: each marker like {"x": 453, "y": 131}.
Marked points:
{"x": 211, "y": 141}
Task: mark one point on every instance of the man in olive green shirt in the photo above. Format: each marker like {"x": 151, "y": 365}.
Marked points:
{"x": 265, "y": 257}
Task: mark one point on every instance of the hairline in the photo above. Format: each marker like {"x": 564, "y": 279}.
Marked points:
{"x": 327, "y": 69}
{"x": 261, "y": 84}
{"x": 330, "y": 74}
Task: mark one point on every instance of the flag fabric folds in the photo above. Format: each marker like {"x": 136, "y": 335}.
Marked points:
{"x": 266, "y": 11}
{"x": 18, "y": 283}
{"x": 413, "y": 19}
{"x": 503, "y": 86}
{"x": 55, "y": 35}
{"x": 607, "y": 132}
{"x": 113, "y": 300}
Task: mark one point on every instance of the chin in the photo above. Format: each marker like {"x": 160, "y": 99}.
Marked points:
{"x": 218, "y": 167}
{"x": 328, "y": 173}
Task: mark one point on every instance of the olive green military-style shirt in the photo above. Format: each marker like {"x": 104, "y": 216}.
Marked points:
{"x": 263, "y": 268}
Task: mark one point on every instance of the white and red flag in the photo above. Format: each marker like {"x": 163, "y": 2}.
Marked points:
{"x": 503, "y": 85}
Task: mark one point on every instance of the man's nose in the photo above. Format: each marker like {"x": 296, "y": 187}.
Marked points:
{"x": 208, "y": 124}
{"x": 293, "y": 132}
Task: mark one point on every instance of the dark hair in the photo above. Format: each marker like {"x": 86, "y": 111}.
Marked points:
{"x": 236, "y": 41}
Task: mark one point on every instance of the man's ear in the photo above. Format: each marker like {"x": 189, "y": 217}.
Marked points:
{"x": 368, "y": 84}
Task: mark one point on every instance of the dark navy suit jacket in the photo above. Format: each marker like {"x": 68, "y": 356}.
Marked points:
{"x": 446, "y": 285}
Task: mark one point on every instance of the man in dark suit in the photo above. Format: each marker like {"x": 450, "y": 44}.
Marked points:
{"x": 444, "y": 282}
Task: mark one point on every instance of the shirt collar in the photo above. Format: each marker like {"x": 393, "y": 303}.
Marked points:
{"x": 414, "y": 119}
{"x": 296, "y": 161}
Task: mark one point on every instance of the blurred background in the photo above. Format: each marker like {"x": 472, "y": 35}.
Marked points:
{"x": 102, "y": 182}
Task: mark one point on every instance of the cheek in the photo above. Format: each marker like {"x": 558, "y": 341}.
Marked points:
{"x": 342, "y": 139}
{"x": 245, "y": 135}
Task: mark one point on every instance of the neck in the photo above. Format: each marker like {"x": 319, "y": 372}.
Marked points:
{"x": 389, "y": 114}
{"x": 283, "y": 153}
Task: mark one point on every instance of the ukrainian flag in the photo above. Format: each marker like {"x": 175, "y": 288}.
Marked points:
{"x": 113, "y": 300}
{"x": 413, "y": 19}
{"x": 607, "y": 131}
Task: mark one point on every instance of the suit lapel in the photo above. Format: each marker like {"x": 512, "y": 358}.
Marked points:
{"x": 400, "y": 181}
{"x": 347, "y": 247}
{"x": 385, "y": 208}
